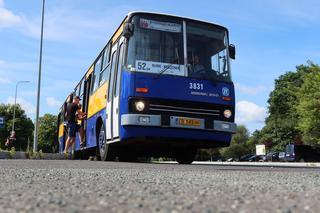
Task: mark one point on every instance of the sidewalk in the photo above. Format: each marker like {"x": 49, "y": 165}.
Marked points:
{"x": 265, "y": 164}
{"x": 23, "y": 155}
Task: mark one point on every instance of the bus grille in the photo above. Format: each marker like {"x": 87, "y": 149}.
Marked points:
{"x": 184, "y": 110}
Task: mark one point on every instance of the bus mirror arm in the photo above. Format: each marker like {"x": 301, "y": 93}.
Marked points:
{"x": 232, "y": 51}
{"x": 128, "y": 30}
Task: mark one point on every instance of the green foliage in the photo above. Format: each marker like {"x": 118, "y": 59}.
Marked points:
{"x": 41, "y": 154}
{"x": 294, "y": 109}
{"x": 235, "y": 151}
{"x": 208, "y": 154}
{"x": 254, "y": 139}
{"x": 48, "y": 133}
{"x": 12, "y": 153}
{"x": 241, "y": 136}
{"x": 23, "y": 126}
{"x": 239, "y": 146}
{"x": 308, "y": 106}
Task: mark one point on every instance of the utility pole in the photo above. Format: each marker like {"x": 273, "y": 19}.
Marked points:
{"x": 35, "y": 139}
{"x": 15, "y": 103}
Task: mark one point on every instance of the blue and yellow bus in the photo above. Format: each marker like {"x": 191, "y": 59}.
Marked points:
{"x": 161, "y": 86}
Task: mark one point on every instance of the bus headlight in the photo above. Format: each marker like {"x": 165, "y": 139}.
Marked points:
{"x": 227, "y": 113}
{"x": 140, "y": 106}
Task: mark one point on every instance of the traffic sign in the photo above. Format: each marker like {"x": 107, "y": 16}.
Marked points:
{"x": 260, "y": 149}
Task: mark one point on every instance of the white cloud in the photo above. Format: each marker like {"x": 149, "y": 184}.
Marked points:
{"x": 64, "y": 23}
{"x": 250, "y": 90}
{"x": 8, "y": 18}
{"x": 248, "y": 112}
{"x": 28, "y": 107}
{"x": 53, "y": 102}
{"x": 4, "y": 80}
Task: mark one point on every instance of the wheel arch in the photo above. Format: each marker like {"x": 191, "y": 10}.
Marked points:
{"x": 99, "y": 124}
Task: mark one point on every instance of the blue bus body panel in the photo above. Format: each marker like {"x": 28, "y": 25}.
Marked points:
{"x": 175, "y": 88}
{"x": 61, "y": 144}
{"x": 178, "y": 88}
{"x": 163, "y": 87}
{"x": 188, "y": 134}
{"x": 91, "y": 130}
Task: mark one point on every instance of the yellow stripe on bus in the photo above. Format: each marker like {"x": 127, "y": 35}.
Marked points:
{"x": 117, "y": 34}
{"x": 98, "y": 100}
{"x": 61, "y": 128}
{"x": 89, "y": 71}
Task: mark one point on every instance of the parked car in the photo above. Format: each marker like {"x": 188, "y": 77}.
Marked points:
{"x": 246, "y": 157}
{"x": 257, "y": 158}
{"x": 272, "y": 156}
{"x": 302, "y": 153}
{"x": 282, "y": 156}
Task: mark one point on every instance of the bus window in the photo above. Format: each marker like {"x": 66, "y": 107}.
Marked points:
{"x": 82, "y": 87}
{"x": 207, "y": 52}
{"x": 106, "y": 56}
{"x": 97, "y": 69}
{"x": 160, "y": 46}
{"x": 77, "y": 90}
{"x": 119, "y": 71}
{"x": 104, "y": 74}
{"x": 113, "y": 64}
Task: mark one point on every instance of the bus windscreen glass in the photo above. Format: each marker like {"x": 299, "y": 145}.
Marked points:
{"x": 157, "y": 45}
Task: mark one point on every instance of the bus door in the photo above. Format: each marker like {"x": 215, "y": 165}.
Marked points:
{"x": 109, "y": 122}
{"x": 116, "y": 92}
{"x": 85, "y": 99}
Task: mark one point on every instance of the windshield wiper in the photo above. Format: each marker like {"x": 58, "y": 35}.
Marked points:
{"x": 176, "y": 60}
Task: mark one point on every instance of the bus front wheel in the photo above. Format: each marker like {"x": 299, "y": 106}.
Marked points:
{"x": 104, "y": 149}
{"x": 186, "y": 156}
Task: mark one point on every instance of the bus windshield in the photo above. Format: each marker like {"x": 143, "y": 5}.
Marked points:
{"x": 157, "y": 44}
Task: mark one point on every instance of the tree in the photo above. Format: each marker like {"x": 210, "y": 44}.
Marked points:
{"x": 282, "y": 123}
{"x": 254, "y": 139}
{"x": 23, "y": 126}
{"x": 48, "y": 133}
{"x": 241, "y": 136}
{"x": 238, "y": 146}
{"x": 308, "y": 106}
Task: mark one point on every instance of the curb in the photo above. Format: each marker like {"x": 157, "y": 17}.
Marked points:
{"x": 23, "y": 155}
{"x": 253, "y": 164}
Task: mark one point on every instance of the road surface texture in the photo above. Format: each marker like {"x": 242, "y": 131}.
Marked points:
{"x": 88, "y": 186}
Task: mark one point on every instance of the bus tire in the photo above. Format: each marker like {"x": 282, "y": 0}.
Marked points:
{"x": 186, "y": 156}
{"x": 103, "y": 149}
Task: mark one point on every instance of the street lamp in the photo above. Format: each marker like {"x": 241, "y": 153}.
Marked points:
{"x": 35, "y": 136}
{"x": 15, "y": 102}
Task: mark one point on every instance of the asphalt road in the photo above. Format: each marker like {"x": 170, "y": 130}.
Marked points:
{"x": 87, "y": 186}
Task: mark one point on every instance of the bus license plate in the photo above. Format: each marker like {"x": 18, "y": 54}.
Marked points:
{"x": 189, "y": 122}
{"x": 186, "y": 122}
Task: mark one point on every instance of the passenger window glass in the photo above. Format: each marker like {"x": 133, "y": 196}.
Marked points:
{"x": 78, "y": 89}
{"x": 114, "y": 59}
{"x": 104, "y": 75}
{"x": 106, "y": 57}
{"x": 97, "y": 69}
{"x": 82, "y": 87}
{"x": 119, "y": 71}
{"x": 106, "y": 66}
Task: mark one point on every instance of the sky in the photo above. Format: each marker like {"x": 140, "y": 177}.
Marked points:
{"x": 271, "y": 38}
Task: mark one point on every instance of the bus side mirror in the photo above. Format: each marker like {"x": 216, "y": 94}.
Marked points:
{"x": 127, "y": 30}
{"x": 232, "y": 51}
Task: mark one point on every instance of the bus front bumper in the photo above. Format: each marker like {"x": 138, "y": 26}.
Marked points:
{"x": 155, "y": 120}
